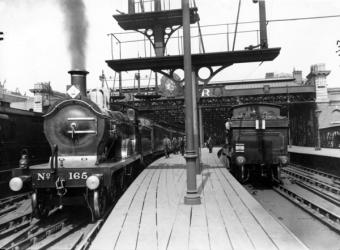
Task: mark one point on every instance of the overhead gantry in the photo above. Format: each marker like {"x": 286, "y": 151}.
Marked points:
{"x": 158, "y": 25}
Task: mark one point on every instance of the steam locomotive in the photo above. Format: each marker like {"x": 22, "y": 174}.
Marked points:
{"x": 94, "y": 152}
{"x": 260, "y": 137}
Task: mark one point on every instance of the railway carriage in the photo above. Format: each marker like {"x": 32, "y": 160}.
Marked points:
{"x": 94, "y": 153}
{"x": 260, "y": 138}
{"x": 21, "y": 131}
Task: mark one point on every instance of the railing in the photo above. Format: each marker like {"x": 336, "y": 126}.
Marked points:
{"x": 141, "y": 6}
{"x": 216, "y": 38}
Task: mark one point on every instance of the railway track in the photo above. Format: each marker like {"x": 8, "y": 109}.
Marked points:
{"x": 329, "y": 178}
{"x": 9, "y": 204}
{"x": 319, "y": 184}
{"x": 335, "y": 179}
{"x": 316, "y": 192}
{"x": 63, "y": 229}
{"x": 23, "y": 232}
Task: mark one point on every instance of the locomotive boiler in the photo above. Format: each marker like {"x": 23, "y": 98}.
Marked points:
{"x": 260, "y": 138}
{"x": 93, "y": 152}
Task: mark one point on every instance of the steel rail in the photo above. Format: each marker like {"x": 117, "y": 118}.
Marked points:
{"x": 8, "y": 209}
{"x": 14, "y": 224}
{"x": 36, "y": 234}
{"x": 314, "y": 185}
{"x": 312, "y": 180}
{"x": 50, "y": 242}
{"x": 13, "y": 199}
{"x": 328, "y": 196}
{"x": 327, "y": 217}
{"x": 334, "y": 178}
{"x": 86, "y": 240}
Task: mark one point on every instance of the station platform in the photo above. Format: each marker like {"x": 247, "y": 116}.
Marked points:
{"x": 151, "y": 214}
{"x": 328, "y": 152}
{"x": 326, "y": 159}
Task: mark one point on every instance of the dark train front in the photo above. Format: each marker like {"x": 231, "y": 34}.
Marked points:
{"x": 260, "y": 138}
{"x": 89, "y": 146}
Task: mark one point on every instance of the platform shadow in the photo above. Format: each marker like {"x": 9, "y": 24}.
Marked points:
{"x": 167, "y": 166}
{"x": 204, "y": 181}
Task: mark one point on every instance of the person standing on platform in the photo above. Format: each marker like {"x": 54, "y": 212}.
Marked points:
{"x": 226, "y": 155}
{"x": 228, "y": 132}
{"x": 210, "y": 144}
{"x": 167, "y": 146}
{"x": 182, "y": 145}
{"x": 174, "y": 145}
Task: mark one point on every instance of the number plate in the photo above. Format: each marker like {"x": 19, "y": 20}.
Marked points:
{"x": 239, "y": 148}
{"x": 70, "y": 175}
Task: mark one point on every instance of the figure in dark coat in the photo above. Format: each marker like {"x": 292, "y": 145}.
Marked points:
{"x": 210, "y": 144}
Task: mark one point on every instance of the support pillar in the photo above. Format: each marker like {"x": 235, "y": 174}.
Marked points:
{"x": 318, "y": 139}
{"x": 195, "y": 122}
{"x": 120, "y": 82}
{"x": 263, "y": 25}
{"x": 200, "y": 119}
{"x": 156, "y": 83}
{"x": 192, "y": 197}
{"x": 158, "y": 6}
{"x": 137, "y": 77}
{"x": 131, "y": 6}
{"x": 159, "y": 40}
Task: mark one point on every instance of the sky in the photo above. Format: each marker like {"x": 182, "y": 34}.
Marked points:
{"x": 35, "y": 46}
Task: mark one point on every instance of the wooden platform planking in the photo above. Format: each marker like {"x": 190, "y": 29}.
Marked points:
{"x": 152, "y": 214}
{"x": 119, "y": 216}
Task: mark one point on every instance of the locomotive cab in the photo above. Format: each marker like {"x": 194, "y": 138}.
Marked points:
{"x": 259, "y": 136}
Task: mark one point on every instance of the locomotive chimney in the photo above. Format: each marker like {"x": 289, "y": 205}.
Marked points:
{"x": 78, "y": 79}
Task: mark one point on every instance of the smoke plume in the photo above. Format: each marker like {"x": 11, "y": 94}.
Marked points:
{"x": 76, "y": 25}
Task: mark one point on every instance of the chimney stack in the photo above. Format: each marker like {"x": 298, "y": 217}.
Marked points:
{"x": 78, "y": 79}
{"x": 297, "y": 75}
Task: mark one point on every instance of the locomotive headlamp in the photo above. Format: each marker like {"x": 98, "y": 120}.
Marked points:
{"x": 16, "y": 183}
{"x": 93, "y": 182}
{"x": 240, "y": 160}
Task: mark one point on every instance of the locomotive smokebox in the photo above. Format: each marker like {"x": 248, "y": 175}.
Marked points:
{"x": 78, "y": 79}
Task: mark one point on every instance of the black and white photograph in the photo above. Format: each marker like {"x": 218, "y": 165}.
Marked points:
{"x": 170, "y": 124}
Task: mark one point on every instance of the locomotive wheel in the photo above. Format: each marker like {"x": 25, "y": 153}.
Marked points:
{"x": 98, "y": 203}
{"x": 39, "y": 207}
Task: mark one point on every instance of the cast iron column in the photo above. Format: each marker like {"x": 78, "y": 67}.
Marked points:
{"x": 195, "y": 122}
{"x": 131, "y": 6}
{"x": 318, "y": 140}
{"x": 263, "y": 24}
{"x": 201, "y": 126}
{"x": 192, "y": 197}
{"x": 158, "y": 5}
